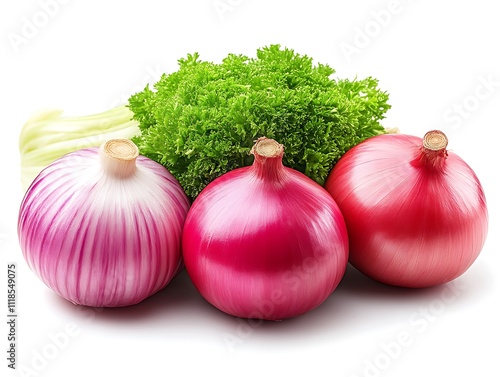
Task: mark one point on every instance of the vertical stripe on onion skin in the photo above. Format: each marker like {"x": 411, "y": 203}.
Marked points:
{"x": 102, "y": 226}
{"x": 265, "y": 241}
{"x": 415, "y": 212}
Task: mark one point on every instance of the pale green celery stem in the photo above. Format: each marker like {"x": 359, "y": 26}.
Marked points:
{"x": 47, "y": 135}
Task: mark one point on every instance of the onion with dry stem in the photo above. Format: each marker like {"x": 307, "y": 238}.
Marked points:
{"x": 265, "y": 241}
{"x": 415, "y": 212}
{"x": 102, "y": 226}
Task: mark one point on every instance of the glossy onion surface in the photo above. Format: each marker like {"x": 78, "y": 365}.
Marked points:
{"x": 416, "y": 217}
{"x": 103, "y": 235}
{"x": 265, "y": 241}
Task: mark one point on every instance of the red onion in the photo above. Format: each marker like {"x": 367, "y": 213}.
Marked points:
{"x": 415, "y": 213}
{"x": 102, "y": 226}
{"x": 265, "y": 241}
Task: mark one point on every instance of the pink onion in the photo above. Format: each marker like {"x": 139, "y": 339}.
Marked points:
{"x": 103, "y": 227}
{"x": 415, "y": 213}
{"x": 265, "y": 241}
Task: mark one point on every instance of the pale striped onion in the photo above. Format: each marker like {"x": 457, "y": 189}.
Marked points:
{"x": 102, "y": 226}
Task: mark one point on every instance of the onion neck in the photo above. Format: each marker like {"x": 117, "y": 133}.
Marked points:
{"x": 432, "y": 153}
{"x": 268, "y": 162}
{"x": 118, "y": 157}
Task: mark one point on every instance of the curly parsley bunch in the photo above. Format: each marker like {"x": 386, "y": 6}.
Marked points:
{"x": 202, "y": 120}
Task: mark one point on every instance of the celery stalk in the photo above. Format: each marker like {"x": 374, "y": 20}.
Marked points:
{"x": 48, "y": 135}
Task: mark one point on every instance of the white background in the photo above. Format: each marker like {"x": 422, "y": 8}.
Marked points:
{"x": 433, "y": 57}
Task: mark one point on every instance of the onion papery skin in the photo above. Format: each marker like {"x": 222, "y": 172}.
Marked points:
{"x": 415, "y": 218}
{"x": 265, "y": 242}
{"x": 100, "y": 239}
